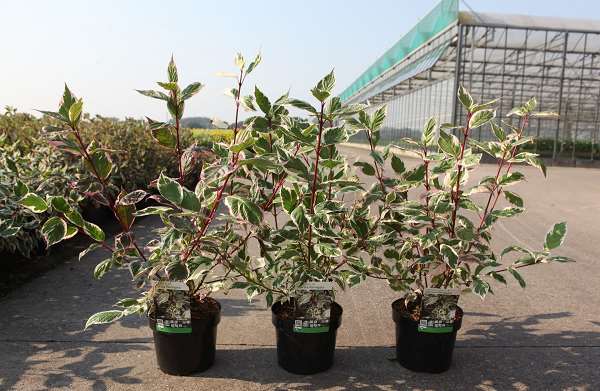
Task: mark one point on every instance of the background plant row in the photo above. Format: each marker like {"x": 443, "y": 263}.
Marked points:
{"x": 27, "y": 158}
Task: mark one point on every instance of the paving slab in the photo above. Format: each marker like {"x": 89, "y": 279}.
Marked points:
{"x": 546, "y": 337}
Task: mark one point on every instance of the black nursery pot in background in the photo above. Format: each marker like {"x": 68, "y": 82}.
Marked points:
{"x": 185, "y": 354}
{"x": 419, "y": 351}
{"x": 305, "y": 353}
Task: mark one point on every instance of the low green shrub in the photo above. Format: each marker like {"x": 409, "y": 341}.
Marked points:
{"x": 545, "y": 147}
{"x": 138, "y": 158}
{"x": 47, "y": 172}
{"x": 21, "y": 127}
{"x": 29, "y": 162}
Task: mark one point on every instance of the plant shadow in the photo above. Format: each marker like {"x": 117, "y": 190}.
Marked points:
{"x": 561, "y": 360}
{"x": 41, "y": 327}
{"x": 72, "y": 354}
{"x": 531, "y": 361}
{"x": 41, "y": 330}
{"x": 530, "y": 331}
{"x": 41, "y": 338}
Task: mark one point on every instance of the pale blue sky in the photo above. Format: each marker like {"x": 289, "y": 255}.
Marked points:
{"x": 106, "y": 49}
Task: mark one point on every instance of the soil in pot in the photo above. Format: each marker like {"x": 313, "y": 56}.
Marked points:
{"x": 304, "y": 353}
{"x": 185, "y": 354}
{"x": 420, "y": 351}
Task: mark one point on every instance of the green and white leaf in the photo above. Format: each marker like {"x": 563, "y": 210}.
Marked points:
{"x": 170, "y": 189}
{"x": 54, "y": 230}
{"x": 103, "y": 318}
{"x": 556, "y": 236}
{"x": 34, "y": 202}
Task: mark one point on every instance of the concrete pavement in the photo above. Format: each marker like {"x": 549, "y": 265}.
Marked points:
{"x": 546, "y": 337}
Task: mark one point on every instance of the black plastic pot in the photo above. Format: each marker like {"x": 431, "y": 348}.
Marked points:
{"x": 184, "y": 354}
{"x": 418, "y": 351}
{"x": 301, "y": 353}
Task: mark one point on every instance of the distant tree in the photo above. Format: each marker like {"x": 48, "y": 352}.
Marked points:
{"x": 197, "y": 122}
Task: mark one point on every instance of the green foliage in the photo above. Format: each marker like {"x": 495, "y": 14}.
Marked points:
{"x": 34, "y": 203}
{"x": 302, "y": 179}
{"x": 555, "y": 237}
{"x": 545, "y": 146}
{"x": 436, "y": 240}
{"x": 25, "y": 179}
{"x": 54, "y": 230}
{"x": 289, "y": 190}
{"x": 137, "y": 158}
{"x": 28, "y": 159}
{"x": 189, "y": 208}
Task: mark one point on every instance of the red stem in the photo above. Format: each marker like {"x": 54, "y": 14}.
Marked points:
{"x": 106, "y": 191}
{"x": 378, "y": 174}
{"x": 237, "y": 105}
{"x": 457, "y": 192}
{"x": 234, "y": 160}
{"x": 178, "y": 146}
{"x": 313, "y": 195}
{"x": 278, "y": 186}
{"x": 273, "y": 175}
{"x": 497, "y": 188}
{"x": 428, "y": 189}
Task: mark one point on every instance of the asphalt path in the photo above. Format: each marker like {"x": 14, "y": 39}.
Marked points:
{"x": 544, "y": 337}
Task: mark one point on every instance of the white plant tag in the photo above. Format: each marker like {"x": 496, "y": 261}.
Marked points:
{"x": 313, "y": 306}
{"x": 438, "y": 310}
{"x": 173, "y": 307}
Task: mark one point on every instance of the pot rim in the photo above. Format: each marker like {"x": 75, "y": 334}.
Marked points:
{"x": 399, "y": 314}
{"x": 210, "y": 314}
{"x": 335, "y": 303}
{"x": 334, "y": 320}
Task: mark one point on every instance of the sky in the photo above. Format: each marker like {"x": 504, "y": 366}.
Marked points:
{"x": 104, "y": 50}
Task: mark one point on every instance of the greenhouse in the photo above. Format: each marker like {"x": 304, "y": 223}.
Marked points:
{"x": 512, "y": 57}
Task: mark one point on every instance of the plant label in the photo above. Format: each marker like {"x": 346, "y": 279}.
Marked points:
{"x": 313, "y": 307}
{"x": 438, "y": 310}
{"x": 173, "y": 308}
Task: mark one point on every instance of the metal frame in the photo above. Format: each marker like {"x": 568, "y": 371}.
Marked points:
{"x": 512, "y": 60}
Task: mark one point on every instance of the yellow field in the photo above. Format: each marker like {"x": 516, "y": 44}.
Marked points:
{"x": 214, "y": 135}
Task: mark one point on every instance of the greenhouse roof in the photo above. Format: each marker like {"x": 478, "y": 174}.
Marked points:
{"x": 405, "y": 72}
{"x": 439, "y": 20}
{"x": 528, "y": 22}
{"x": 436, "y": 21}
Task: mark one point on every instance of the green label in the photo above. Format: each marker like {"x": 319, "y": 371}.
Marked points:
{"x": 436, "y": 330}
{"x": 312, "y": 330}
{"x": 174, "y": 330}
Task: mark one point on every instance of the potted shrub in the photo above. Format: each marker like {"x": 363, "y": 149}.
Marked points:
{"x": 440, "y": 224}
{"x": 312, "y": 227}
{"x": 192, "y": 256}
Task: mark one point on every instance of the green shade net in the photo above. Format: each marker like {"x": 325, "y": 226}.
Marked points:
{"x": 444, "y": 14}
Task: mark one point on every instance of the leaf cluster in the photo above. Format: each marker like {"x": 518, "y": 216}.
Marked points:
{"x": 444, "y": 238}
{"x": 279, "y": 205}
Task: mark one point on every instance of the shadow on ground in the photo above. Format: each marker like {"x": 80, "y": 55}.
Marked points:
{"x": 72, "y": 359}
{"x": 59, "y": 353}
{"x": 41, "y": 326}
{"x": 42, "y": 346}
{"x": 556, "y": 361}
{"x": 369, "y": 368}
{"x": 528, "y": 331}
{"x": 532, "y": 362}
{"x": 42, "y": 322}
